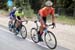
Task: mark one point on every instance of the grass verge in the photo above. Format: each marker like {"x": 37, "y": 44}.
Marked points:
{"x": 66, "y": 20}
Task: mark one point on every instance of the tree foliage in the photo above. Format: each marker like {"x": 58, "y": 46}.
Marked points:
{"x": 35, "y": 5}
{"x": 2, "y": 4}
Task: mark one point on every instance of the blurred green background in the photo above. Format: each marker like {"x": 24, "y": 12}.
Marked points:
{"x": 64, "y": 9}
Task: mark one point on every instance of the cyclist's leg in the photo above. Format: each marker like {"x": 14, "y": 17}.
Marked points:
{"x": 40, "y": 32}
{"x": 18, "y": 23}
{"x": 11, "y": 22}
{"x": 41, "y": 27}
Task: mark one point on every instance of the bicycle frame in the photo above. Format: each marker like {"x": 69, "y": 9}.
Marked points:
{"x": 45, "y": 33}
{"x": 45, "y": 30}
{"x": 38, "y": 26}
{"x": 21, "y": 23}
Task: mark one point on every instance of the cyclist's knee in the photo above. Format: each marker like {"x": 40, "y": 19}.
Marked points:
{"x": 41, "y": 27}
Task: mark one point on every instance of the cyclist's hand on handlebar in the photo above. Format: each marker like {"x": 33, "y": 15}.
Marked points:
{"x": 53, "y": 24}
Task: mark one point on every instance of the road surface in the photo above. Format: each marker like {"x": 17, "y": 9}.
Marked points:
{"x": 8, "y": 41}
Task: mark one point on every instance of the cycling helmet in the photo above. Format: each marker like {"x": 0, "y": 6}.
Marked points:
{"x": 48, "y": 3}
{"x": 14, "y": 8}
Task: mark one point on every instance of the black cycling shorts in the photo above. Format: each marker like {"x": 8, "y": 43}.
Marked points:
{"x": 18, "y": 17}
{"x": 44, "y": 19}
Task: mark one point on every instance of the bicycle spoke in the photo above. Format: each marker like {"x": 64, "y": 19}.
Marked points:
{"x": 34, "y": 35}
{"x": 23, "y": 32}
{"x": 50, "y": 40}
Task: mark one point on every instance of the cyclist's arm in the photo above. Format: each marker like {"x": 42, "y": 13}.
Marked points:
{"x": 16, "y": 13}
{"x": 53, "y": 17}
{"x": 22, "y": 16}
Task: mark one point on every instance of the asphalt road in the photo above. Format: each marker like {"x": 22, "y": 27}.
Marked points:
{"x": 8, "y": 41}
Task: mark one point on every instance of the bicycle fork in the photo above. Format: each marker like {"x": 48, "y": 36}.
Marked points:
{"x": 46, "y": 32}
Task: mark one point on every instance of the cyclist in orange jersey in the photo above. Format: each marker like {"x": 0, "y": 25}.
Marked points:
{"x": 43, "y": 13}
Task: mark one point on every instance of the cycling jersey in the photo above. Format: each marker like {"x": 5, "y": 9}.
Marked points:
{"x": 45, "y": 11}
{"x": 12, "y": 14}
{"x": 19, "y": 14}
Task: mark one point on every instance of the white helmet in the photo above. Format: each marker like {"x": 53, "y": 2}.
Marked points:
{"x": 48, "y": 3}
{"x": 14, "y": 8}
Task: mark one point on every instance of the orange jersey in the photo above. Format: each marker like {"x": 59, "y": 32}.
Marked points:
{"x": 45, "y": 11}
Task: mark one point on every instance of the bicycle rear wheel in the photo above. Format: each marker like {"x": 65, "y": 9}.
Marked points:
{"x": 50, "y": 40}
{"x": 34, "y": 35}
{"x": 23, "y": 32}
{"x": 10, "y": 27}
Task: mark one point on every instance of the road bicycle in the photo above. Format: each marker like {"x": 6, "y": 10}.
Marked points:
{"x": 48, "y": 36}
{"x": 20, "y": 29}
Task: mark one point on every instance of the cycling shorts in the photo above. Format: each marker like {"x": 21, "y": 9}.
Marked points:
{"x": 12, "y": 17}
{"x": 44, "y": 19}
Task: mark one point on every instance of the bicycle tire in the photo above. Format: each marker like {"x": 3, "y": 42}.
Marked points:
{"x": 23, "y": 34}
{"x": 10, "y": 27}
{"x": 50, "y": 33}
{"x": 35, "y": 33}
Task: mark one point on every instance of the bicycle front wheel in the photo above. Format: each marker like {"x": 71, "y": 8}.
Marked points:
{"x": 23, "y": 32}
{"x": 50, "y": 40}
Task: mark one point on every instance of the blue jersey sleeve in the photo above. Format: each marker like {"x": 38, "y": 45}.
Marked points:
{"x": 12, "y": 13}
